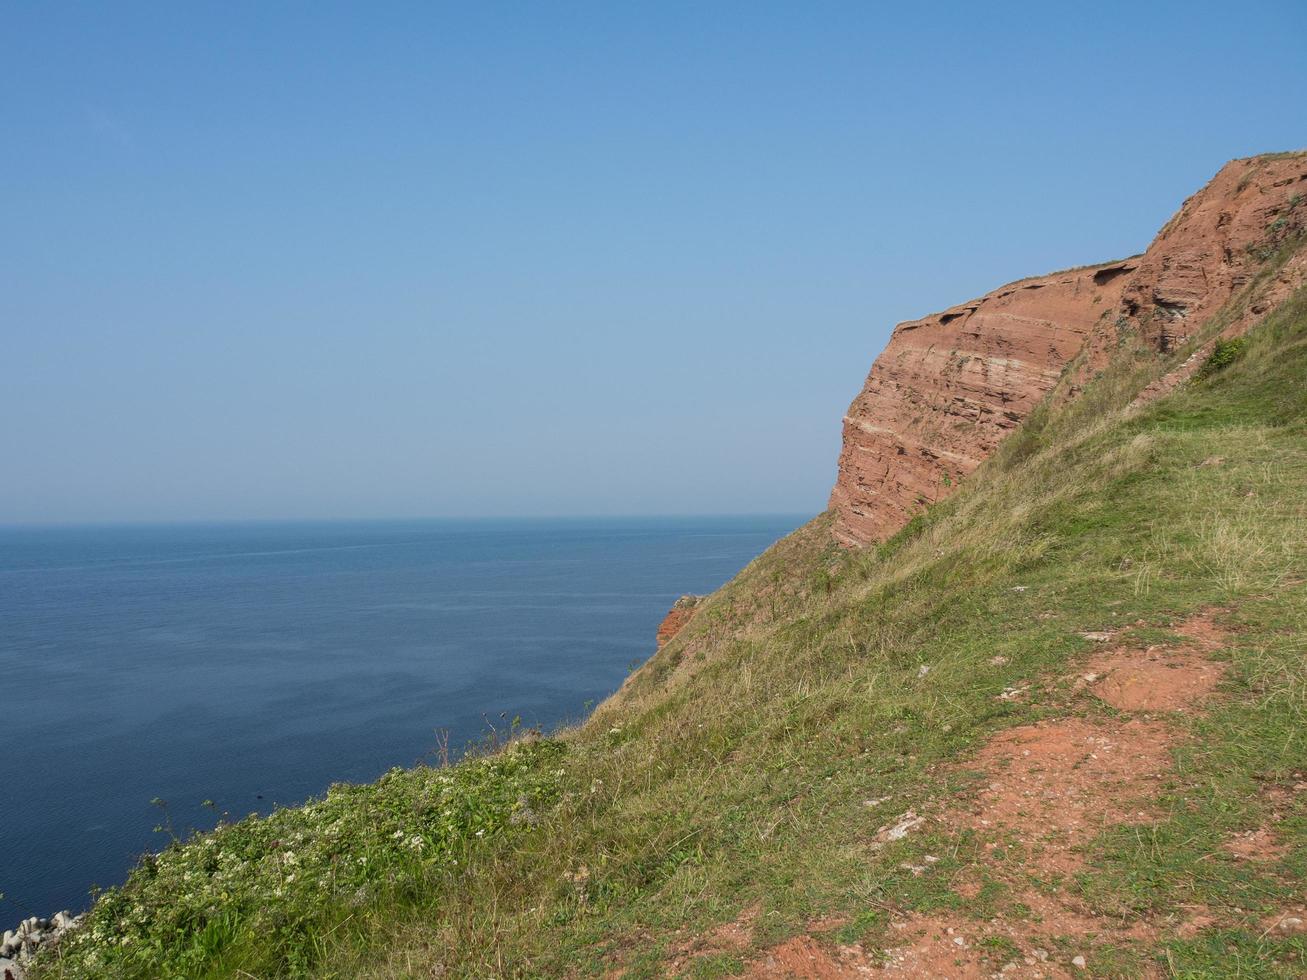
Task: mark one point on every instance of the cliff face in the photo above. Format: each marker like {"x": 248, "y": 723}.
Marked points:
{"x": 949, "y": 387}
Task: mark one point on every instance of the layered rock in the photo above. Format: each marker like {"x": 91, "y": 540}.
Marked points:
{"x": 949, "y": 387}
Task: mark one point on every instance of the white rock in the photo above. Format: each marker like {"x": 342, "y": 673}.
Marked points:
{"x": 1078, "y": 962}
{"x": 1290, "y": 925}
{"x": 900, "y": 830}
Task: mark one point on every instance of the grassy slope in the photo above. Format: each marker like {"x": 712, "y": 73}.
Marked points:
{"x": 732, "y": 770}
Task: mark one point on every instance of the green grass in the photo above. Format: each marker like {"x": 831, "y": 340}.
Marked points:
{"x": 750, "y": 762}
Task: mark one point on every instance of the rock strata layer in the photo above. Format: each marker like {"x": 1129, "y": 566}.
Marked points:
{"x": 949, "y": 387}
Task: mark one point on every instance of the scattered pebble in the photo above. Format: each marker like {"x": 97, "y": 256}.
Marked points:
{"x": 1078, "y": 962}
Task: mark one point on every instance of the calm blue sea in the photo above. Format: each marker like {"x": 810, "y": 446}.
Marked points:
{"x": 256, "y": 664}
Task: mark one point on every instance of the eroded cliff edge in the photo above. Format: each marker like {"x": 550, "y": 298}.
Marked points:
{"x": 949, "y": 387}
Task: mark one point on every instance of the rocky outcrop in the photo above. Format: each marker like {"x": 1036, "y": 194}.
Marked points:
{"x": 950, "y": 387}
{"x": 680, "y": 613}
{"x": 1215, "y": 245}
{"x": 19, "y": 945}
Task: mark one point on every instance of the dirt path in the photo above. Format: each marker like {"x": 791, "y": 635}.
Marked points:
{"x": 1047, "y": 790}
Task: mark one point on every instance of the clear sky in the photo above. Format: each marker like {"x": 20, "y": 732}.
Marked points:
{"x": 368, "y": 260}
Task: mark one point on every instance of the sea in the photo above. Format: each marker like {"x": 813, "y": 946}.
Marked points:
{"x": 148, "y": 670}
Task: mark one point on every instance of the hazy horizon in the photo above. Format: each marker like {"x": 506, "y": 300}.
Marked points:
{"x": 493, "y": 261}
{"x": 403, "y": 519}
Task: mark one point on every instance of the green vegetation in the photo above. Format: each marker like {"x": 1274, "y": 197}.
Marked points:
{"x": 1223, "y": 355}
{"x": 821, "y": 695}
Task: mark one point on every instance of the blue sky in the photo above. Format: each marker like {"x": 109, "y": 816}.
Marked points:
{"x": 368, "y": 260}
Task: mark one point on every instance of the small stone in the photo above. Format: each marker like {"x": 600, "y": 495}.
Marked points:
{"x": 959, "y": 941}
{"x": 1290, "y": 925}
{"x": 923, "y": 670}
{"x": 1018, "y": 588}
{"x": 1078, "y": 962}
{"x": 1039, "y": 954}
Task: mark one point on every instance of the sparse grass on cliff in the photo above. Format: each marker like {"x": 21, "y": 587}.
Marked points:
{"x": 746, "y": 769}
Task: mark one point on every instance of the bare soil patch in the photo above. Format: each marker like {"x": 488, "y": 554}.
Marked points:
{"x": 1053, "y": 786}
{"x": 1047, "y": 790}
{"x": 1160, "y": 678}
{"x": 1258, "y": 846}
{"x": 1156, "y": 679}
{"x": 803, "y": 957}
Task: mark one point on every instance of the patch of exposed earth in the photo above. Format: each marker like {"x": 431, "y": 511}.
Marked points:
{"x": 1046, "y": 791}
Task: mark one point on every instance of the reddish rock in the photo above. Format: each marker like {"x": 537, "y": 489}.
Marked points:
{"x": 1214, "y": 245}
{"x": 949, "y": 387}
{"x": 677, "y": 617}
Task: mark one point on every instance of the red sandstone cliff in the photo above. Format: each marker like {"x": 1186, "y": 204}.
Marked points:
{"x": 677, "y": 617}
{"x": 949, "y": 387}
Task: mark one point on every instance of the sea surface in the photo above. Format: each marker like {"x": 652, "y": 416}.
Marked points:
{"x": 255, "y": 664}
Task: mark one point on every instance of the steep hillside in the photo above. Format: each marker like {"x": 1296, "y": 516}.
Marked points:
{"x": 949, "y": 387}
{"x": 1053, "y": 726}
